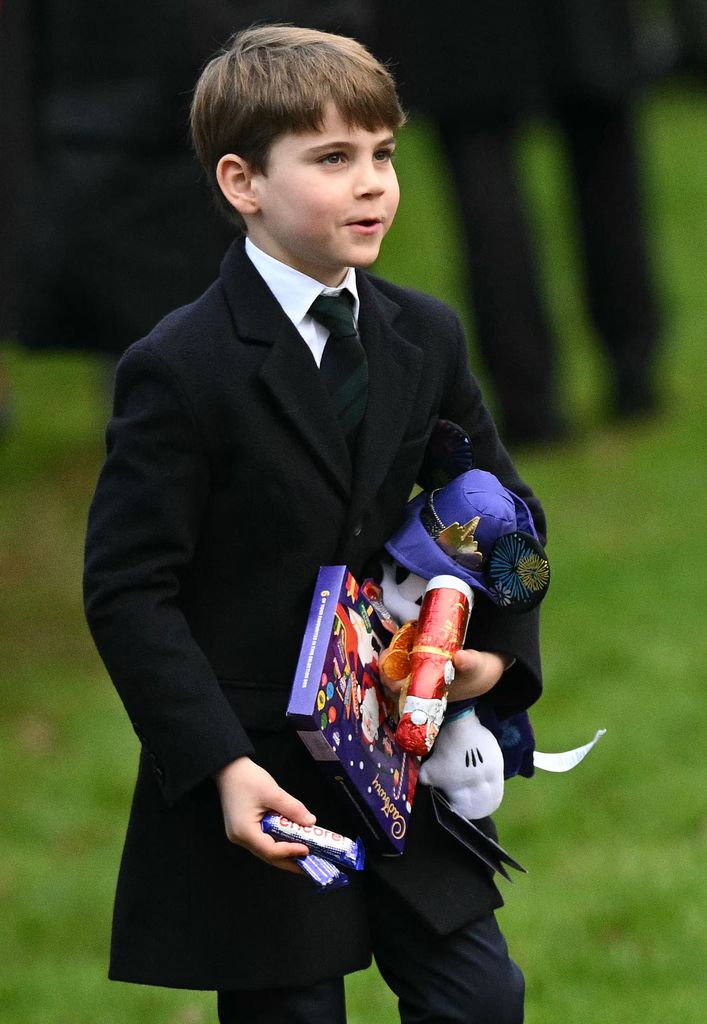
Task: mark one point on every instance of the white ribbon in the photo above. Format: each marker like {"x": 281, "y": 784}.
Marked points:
{"x": 567, "y": 759}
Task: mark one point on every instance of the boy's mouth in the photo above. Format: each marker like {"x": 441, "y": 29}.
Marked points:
{"x": 365, "y": 224}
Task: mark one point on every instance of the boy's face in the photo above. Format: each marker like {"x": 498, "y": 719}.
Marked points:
{"x": 326, "y": 200}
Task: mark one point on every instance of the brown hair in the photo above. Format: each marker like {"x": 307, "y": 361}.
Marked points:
{"x": 274, "y": 79}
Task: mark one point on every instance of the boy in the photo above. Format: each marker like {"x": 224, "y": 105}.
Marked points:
{"x": 237, "y": 464}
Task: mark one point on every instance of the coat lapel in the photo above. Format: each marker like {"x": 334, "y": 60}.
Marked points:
{"x": 288, "y": 371}
{"x": 394, "y": 365}
{"x": 292, "y": 378}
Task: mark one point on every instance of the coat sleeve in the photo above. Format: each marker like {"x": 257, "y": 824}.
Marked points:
{"x": 142, "y": 532}
{"x": 491, "y": 628}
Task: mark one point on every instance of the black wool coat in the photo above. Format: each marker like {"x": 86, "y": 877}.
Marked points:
{"x": 227, "y": 484}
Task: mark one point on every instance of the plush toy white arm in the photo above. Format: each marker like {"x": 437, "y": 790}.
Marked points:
{"x": 466, "y": 763}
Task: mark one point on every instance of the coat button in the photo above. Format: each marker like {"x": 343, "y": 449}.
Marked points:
{"x": 357, "y": 530}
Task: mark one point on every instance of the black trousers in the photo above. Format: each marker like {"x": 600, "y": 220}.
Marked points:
{"x": 466, "y": 977}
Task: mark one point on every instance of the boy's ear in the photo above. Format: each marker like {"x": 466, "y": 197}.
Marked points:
{"x": 235, "y": 179}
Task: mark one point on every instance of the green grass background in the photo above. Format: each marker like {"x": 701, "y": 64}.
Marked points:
{"x": 609, "y": 924}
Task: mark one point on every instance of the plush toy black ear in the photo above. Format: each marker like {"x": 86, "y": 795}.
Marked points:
{"x": 518, "y": 571}
{"x": 448, "y": 455}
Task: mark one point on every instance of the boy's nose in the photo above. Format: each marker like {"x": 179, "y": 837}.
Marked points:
{"x": 370, "y": 182}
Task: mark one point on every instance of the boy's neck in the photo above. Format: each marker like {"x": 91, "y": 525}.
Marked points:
{"x": 261, "y": 255}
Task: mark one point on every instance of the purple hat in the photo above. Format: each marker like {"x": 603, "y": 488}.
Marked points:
{"x": 476, "y": 529}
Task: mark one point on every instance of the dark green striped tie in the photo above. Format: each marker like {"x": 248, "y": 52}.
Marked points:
{"x": 344, "y": 365}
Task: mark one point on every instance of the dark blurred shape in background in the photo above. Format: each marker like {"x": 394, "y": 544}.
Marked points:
{"x": 106, "y": 223}
{"x": 480, "y": 70}
{"x": 112, "y": 229}
{"x": 672, "y": 37}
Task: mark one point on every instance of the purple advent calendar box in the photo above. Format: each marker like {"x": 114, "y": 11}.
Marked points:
{"x": 341, "y": 712}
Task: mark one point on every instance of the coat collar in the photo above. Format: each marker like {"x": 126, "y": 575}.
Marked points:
{"x": 290, "y": 375}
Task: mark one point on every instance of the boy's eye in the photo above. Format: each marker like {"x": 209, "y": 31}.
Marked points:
{"x": 332, "y": 158}
{"x": 384, "y": 154}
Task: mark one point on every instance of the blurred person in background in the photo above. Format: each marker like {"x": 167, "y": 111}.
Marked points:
{"x": 106, "y": 223}
{"x": 111, "y": 226}
{"x": 672, "y": 37}
{"x": 691, "y": 24}
{"x": 479, "y": 71}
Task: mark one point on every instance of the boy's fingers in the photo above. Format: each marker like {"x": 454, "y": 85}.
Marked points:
{"x": 292, "y": 808}
{"x": 275, "y": 850}
{"x": 466, "y": 660}
{"x": 287, "y": 865}
{"x": 476, "y": 673}
{"x": 393, "y": 685}
{"x": 278, "y": 854}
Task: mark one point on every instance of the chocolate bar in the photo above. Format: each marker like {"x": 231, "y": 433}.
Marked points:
{"x": 323, "y": 874}
{"x": 337, "y": 849}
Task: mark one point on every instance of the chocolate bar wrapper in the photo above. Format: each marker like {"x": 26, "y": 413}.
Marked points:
{"x": 324, "y": 875}
{"x": 337, "y": 849}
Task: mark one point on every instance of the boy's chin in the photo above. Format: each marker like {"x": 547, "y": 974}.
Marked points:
{"x": 364, "y": 260}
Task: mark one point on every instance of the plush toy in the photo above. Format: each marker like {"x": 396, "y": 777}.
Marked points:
{"x": 473, "y": 528}
{"x": 467, "y": 765}
{"x": 476, "y": 530}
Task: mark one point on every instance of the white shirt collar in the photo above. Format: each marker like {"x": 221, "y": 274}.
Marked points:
{"x": 294, "y": 290}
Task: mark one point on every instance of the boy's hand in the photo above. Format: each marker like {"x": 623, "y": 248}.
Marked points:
{"x": 247, "y": 794}
{"x": 476, "y": 672}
